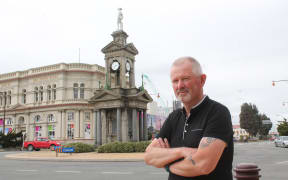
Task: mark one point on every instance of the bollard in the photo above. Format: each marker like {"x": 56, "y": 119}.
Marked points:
{"x": 247, "y": 171}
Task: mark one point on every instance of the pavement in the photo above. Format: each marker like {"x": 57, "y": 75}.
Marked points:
{"x": 91, "y": 156}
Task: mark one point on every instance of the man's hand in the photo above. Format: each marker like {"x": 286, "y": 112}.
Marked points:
{"x": 158, "y": 143}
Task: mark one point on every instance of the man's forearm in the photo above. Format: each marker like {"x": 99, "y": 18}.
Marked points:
{"x": 159, "y": 157}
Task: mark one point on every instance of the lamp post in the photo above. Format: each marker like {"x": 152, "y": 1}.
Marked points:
{"x": 4, "y": 110}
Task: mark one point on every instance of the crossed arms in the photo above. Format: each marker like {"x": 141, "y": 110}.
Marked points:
{"x": 196, "y": 161}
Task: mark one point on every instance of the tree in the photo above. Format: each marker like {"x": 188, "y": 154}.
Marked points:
{"x": 265, "y": 126}
{"x": 283, "y": 128}
{"x": 249, "y": 118}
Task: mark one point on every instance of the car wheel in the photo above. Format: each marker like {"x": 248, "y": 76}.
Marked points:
{"x": 52, "y": 147}
{"x": 30, "y": 148}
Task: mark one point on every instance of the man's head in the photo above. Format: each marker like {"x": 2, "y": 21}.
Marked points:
{"x": 187, "y": 81}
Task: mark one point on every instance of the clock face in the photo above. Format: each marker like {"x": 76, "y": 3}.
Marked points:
{"x": 115, "y": 65}
{"x": 128, "y": 67}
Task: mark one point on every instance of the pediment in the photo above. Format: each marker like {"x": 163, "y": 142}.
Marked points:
{"x": 15, "y": 107}
{"x": 113, "y": 46}
{"x": 104, "y": 95}
{"x": 142, "y": 96}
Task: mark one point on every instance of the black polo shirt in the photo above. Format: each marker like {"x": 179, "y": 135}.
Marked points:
{"x": 208, "y": 119}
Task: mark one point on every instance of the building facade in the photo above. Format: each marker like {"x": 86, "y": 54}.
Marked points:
{"x": 51, "y": 101}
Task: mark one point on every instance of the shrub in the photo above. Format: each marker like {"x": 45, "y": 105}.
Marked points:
{"x": 81, "y": 147}
{"x": 11, "y": 139}
{"x": 123, "y": 147}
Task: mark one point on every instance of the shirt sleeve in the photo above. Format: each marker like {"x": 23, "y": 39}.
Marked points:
{"x": 219, "y": 124}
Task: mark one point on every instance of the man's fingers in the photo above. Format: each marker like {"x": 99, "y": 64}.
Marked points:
{"x": 166, "y": 143}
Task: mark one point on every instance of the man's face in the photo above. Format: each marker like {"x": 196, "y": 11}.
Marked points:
{"x": 187, "y": 86}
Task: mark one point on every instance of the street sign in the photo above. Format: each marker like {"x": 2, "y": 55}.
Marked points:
{"x": 68, "y": 150}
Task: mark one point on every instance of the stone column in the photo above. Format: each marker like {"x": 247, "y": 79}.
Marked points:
{"x": 135, "y": 126}
{"x": 81, "y": 123}
{"x": 28, "y": 127}
{"x": 99, "y": 128}
{"x": 124, "y": 125}
{"x": 64, "y": 125}
{"x": 77, "y": 125}
{"x": 119, "y": 124}
{"x": 132, "y": 77}
{"x": 145, "y": 130}
{"x": 104, "y": 126}
{"x": 141, "y": 125}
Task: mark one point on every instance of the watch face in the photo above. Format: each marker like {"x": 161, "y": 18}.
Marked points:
{"x": 128, "y": 66}
{"x": 115, "y": 65}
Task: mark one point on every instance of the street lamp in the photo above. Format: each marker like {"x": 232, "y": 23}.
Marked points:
{"x": 4, "y": 110}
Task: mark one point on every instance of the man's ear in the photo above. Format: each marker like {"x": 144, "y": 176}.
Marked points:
{"x": 203, "y": 79}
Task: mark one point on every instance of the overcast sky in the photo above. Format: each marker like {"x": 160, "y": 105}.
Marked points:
{"x": 241, "y": 44}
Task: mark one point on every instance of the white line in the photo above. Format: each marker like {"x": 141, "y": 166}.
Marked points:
{"x": 117, "y": 172}
{"x": 68, "y": 171}
{"x": 159, "y": 173}
{"x": 27, "y": 170}
{"x": 282, "y": 162}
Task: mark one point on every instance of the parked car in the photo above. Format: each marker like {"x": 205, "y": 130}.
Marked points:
{"x": 41, "y": 143}
{"x": 281, "y": 141}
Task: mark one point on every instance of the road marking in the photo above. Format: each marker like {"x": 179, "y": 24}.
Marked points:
{"x": 27, "y": 170}
{"x": 282, "y": 162}
{"x": 159, "y": 173}
{"x": 117, "y": 172}
{"x": 68, "y": 171}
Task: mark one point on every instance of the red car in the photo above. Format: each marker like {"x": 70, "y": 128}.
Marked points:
{"x": 41, "y": 143}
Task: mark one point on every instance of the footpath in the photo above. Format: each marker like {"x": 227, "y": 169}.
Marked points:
{"x": 47, "y": 155}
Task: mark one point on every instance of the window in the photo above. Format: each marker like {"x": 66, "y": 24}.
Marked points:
{"x": 8, "y": 121}
{"x": 21, "y": 120}
{"x": 38, "y": 131}
{"x": 51, "y": 118}
{"x": 70, "y": 116}
{"x": 82, "y": 86}
{"x": 49, "y": 92}
{"x": 51, "y": 131}
{"x": 87, "y": 116}
{"x": 36, "y": 94}
{"x": 75, "y": 90}
{"x": 87, "y": 130}
{"x": 37, "y": 118}
{"x": 1, "y": 101}
{"x": 41, "y": 93}
{"x": 24, "y": 96}
{"x": 54, "y": 92}
{"x": 70, "y": 131}
{"x": 9, "y": 99}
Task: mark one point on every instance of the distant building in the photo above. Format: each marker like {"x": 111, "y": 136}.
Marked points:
{"x": 238, "y": 132}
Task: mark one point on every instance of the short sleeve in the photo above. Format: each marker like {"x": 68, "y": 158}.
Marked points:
{"x": 219, "y": 124}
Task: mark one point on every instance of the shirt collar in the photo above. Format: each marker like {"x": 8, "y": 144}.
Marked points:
{"x": 195, "y": 106}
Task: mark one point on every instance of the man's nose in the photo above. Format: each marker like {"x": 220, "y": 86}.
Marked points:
{"x": 180, "y": 84}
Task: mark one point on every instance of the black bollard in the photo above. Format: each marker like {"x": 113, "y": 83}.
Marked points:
{"x": 247, "y": 171}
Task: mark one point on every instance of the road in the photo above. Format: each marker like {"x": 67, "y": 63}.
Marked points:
{"x": 272, "y": 161}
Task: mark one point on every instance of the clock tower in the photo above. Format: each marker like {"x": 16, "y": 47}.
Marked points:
{"x": 120, "y": 107}
{"x": 119, "y": 61}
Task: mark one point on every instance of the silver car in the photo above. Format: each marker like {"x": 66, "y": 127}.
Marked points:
{"x": 281, "y": 141}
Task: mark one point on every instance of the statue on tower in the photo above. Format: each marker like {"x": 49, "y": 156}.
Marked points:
{"x": 119, "y": 21}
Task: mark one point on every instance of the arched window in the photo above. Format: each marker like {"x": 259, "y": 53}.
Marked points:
{"x": 21, "y": 120}
{"x": 24, "y": 95}
{"x": 75, "y": 90}
{"x": 37, "y": 118}
{"x": 82, "y": 86}
{"x": 36, "y": 94}
{"x": 9, "y": 99}
{"x": 54, "y": 91}
{"x": 49, "y": 93}
{"x": 41, "y": 93}
{"x": 51, "y": 118}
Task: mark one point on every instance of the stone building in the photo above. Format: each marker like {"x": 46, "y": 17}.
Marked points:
{"x": 51, "y": 101}
{"x": 79, "y": 102}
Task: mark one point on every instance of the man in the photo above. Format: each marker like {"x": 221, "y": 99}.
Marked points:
{"x": 195, "y": 142}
